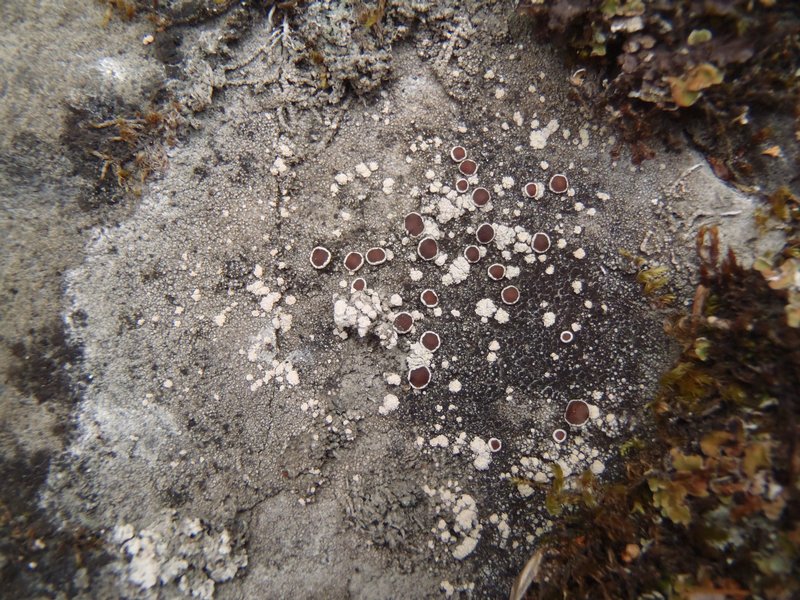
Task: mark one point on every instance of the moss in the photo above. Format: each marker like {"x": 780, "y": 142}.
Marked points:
{"x": 714, "y": 68}
{"x": 119, "y": 147}
{"x": 712, "y": 504}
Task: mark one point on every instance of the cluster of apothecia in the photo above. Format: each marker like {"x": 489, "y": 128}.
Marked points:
{"x": 321, "y": 258}
{"x": 419, "y": 376}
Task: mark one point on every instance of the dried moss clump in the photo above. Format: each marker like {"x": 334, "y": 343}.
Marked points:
{"x": 119, "y": 152}
{"x": 712, "y": 504}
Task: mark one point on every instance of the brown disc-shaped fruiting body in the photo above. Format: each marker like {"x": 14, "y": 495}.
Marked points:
{"x": 481, "y": 197}
{"x": 559, "y": 436}
{"x": 494, "y": 444}
{"x": 540, "y": 242}
{"x": 427, "y": 248}
{"x": 430, "y": 340}
{"x": 559, "y": 183}
{"x": 458, "y": 153}
{"x": 533, "y": 189}
{"x": 419, "y": 378}
{"x": 358, "y": 285}
{"x": 353, "y": 261}
{"x": 376, "y": 256}
{"x": 462, "y": 185}
{"x": 566, "y": 337}
{"x": 414, "y": 224}
{"x": 320, "y": 257}
{"x": 468, "y": 167}
{"x": 472, "y": 254}
{"x": 577, "y": 413}
{"x": 485, "y": 233}
{"x": 429, "y": 298}
{"x": 403, "y": 322}
{"x": 496, "y": 272}
{"x": 510, "y": 294}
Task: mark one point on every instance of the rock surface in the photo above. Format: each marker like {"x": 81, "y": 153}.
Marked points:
{"x": 174, "y": 365}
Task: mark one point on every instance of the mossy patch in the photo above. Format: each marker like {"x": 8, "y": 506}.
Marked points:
{"x": 723, "y": 71}
{"x": 712, "y": 504}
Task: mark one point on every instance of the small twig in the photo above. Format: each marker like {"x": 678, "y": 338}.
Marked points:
{"x": 684, "y": 175}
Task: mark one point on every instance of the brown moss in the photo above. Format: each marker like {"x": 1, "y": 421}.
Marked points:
{"x": 118, "y": 147}
{"x": 710, "y": 67}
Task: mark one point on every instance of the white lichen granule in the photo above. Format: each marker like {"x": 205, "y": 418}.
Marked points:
{"x": 415, "y": 274}
{"x": 465, "y": 548}
{"x": 524, "y": 489}
{"x": 548, "y": 319}
{"x": 279, "y": 166}
{"x": 577, "y": 286}
{"x": 485, "y": 308}
{"x": 501, "y": 316}
{"x": 481, "y": 455}
{"x": 458, "y": 271}
{"x": 363, "y": 170}
{"x": 538, "y": 137}
{"x": 269, "y": 301}
{"x": 390, "y": 404}
{"x": 439, "y": 441}
{"x": 454, "y": 386}
{"x": 594, "y": 411}
{"x": 580, "y": 253}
